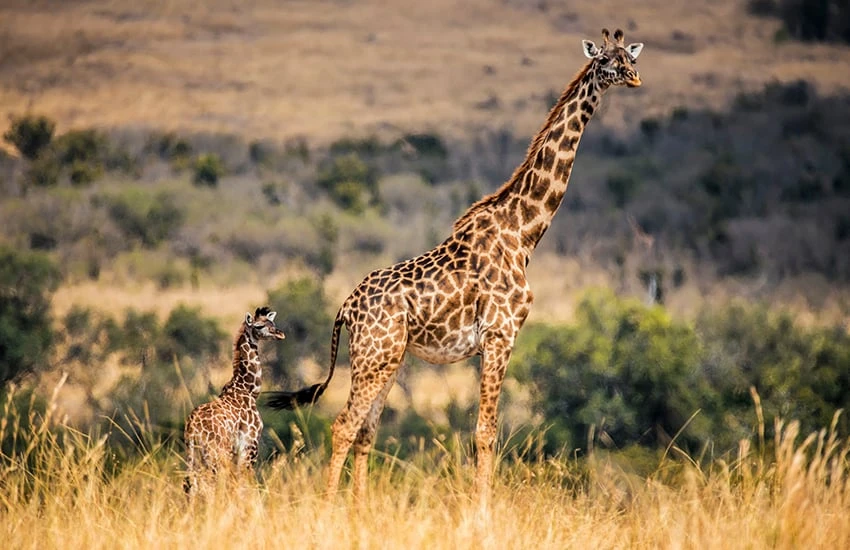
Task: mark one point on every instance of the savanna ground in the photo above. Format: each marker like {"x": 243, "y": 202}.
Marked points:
{"x": 482, "y": 72}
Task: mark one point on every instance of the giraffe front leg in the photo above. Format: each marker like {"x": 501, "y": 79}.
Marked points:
{"x": 366, "y": 438}
{"x": 494, "y": 363}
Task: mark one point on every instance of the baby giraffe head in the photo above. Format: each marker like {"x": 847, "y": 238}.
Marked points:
{"x": 613, "y": 62}
{"x": 261, "y": 325}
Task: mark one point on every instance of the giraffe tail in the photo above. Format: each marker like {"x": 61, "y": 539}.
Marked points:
{"x": 284, "y": 400}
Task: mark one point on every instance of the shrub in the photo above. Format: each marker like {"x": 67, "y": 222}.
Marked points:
{"x": 628, "y": 370}
{"x": 361, "y": 147}
{"x": 170, "y": 147}
{"x": 208, "y": 169}
{"x": 83, "y": 173}
{"x": 622, "y": 186}
{"x": 274, "y": 192}
{"x": 85, "y": 336}
{"x": 297, "y": 148}
{"x": 328, "y": 232}
{"x": 30, "y": 134}
{"x": 27, "y": 280}
{"x": 424, "y": 144}
{"x": 808, "y": 19}
{"x": 86, "y": 146}
{"x": 135, "y": 338}
{"x": 44, "y": 171}
{"x": 349, "y": 181}
{"x": 650, "y": 127}
{"x": 762, "y": 7}
{"x": 151, "y": 220}
{"x": 302, "y": 313}
{"x": 188, "y": 333}
{"x": 800, "y": 372}
{"x": 260, "y": 152}
{"x": 816, "y": 19}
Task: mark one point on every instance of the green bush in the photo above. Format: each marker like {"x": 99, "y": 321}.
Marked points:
{"x": 650, "y": 127}
{"x": 360, "y": 147}
{"x": 27, "y": 280}
{"x": 84, "y": 336}
{"x": 273, "y": 192}
{"x": 169, "y": 146}
{"x": 633, "y": 376}
{"x": 188, "y": 333}
{"x": 350, "y": 182}
{"x": 84, "y": 173}
{"x": 808, "y": 19}
{"x": 800, "y": 373}
{"x": 302, "y": 314}
{"x": 44, "y": 171}
{"x": 207, "y": 169}
{"x": 328, "y": 232}
{"x": 82, "y": 146}
{"x": 626, "y": 370}
{"x": 140, "y": 216}
{"x": 816, "y": 19}
{"x": 622, "y": 186}
{"x": 135, "y": 339}
{"x": 260, "y": 152}
{"x": 430, "y": 145}
{"x": 30, "y": 134}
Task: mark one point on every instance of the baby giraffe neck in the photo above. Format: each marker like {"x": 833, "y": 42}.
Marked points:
{"x": 247, "y": 373}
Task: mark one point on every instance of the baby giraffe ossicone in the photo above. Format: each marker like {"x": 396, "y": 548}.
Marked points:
{"x": 223, "y": 435}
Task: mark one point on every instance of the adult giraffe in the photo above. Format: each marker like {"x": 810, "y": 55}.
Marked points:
{"x": 469, "y": 295}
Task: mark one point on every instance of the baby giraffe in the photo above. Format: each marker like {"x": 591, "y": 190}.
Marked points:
{"x": 224, "y": 434}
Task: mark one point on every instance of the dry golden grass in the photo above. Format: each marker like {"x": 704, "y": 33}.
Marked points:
{"x": 263, "y": 68}
{"x": 60, "y": 492}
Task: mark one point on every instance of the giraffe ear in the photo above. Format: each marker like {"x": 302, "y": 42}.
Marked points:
{"x": 590, "y": 49}
{"x": 248, "y": 318}
{"x": 634, "y": 49}
{"x": 271, "y": 315}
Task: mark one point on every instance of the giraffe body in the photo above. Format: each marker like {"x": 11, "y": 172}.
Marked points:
{"x": 469, "y": 295}
{"x": 224, "y": 434}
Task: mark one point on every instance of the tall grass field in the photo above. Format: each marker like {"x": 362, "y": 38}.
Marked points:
{"x": 63, "y": 489}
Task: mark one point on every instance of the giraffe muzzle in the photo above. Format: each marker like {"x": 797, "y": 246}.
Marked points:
{"x": 633, "y": 81}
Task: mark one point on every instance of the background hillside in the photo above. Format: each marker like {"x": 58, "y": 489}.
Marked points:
{"x": 268, "y": 69}
{"x": 168, "y": 166}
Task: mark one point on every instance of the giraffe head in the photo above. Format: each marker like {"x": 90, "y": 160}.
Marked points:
{"x": 613, "y": 63}
{"x": 261, "y": 325}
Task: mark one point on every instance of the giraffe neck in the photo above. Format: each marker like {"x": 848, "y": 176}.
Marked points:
{"x": 247, "y": 372}
{"x": 528, "y": 201}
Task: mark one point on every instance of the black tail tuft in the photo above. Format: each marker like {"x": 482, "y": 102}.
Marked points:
{"x": 285, "y": 400}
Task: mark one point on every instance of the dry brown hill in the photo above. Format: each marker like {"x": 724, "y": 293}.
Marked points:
{"x": 321, "y": 69}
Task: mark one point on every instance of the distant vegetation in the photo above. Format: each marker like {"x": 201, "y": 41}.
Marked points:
{"x": 760, "y": 190}
{"x": 808, "y": 19}
{"x": 27, "y": 281}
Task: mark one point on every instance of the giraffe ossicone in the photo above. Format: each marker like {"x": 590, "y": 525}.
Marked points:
{"x": 223, "y": 435}
{"x": 469, "y": 295}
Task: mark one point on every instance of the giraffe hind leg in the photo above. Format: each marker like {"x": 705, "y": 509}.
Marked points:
{"x": 366, "y": 438}
{"x": 362, "y": 396}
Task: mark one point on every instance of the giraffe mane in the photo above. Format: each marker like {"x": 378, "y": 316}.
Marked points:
{"x": 236, "y": 354}
{"x": 533, "y": 148}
